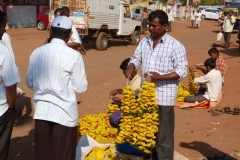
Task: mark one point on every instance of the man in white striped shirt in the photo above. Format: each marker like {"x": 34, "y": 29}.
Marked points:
{"x": 164, "y": 58}
{"x": 56, "y": 72}
{"x": 9, "y": 78}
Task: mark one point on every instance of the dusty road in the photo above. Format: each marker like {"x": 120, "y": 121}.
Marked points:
{"x": 195, "y": 136}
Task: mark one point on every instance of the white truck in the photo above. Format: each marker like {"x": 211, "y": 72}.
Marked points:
{"x": 101, "y": 20}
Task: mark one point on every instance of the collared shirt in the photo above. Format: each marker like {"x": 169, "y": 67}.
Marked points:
{"x": 136, "y": 83}
{"x": 221, "y": 65}
{"x": 6, "y": 41}
{"x": 213, "y": 80}
{"x": 170, "y": 17}
{"x": 55, "y": 73}
{"x": 8, "y": 76}
{"x": 168, "y": 56}
{"x": 228, "y": 24}
{"x": 75, "y": 36}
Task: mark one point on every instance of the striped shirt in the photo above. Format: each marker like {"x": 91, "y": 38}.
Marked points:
{"x": 55, "y": 73}
{"x": 8, "y": 75}
{"x": 168, "y": 56}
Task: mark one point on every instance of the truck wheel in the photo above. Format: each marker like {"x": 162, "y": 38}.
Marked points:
{"x": 102, "y": 41}
{"x": 135, "y": 38}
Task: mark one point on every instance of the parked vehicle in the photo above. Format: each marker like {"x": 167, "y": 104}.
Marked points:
{"x": 137, "y": 13}
{"x": 210, "y": 13}
{"x": 43, "y": 19}
{"x": 102, "y": 20}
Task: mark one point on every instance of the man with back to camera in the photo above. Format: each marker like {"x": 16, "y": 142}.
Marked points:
{"x": 9, "y": 78}
{"x": 164, "y": 58}
{"x": 75, "y": 41}
{"x": 227, "y": 28}
{"x": 56, "y": 73}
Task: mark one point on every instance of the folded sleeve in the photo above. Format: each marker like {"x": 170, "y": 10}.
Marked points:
{"x": 136, "y": 59}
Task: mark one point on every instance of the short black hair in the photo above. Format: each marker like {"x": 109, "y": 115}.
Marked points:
{"x": 213, "y": 50}
{"x": 160, "y": 14}
{"x": 210, "y": 62}
{"x": 60, "y": 32}
{"x": 2, "y": 16}
{"x": 58, "y": 10}
{"x": 64, "y": 11}
{"x": 124, "y": 64}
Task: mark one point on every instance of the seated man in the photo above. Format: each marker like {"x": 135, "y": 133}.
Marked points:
{"x": 135, "y": 82}
{"x": 213, "y": 81}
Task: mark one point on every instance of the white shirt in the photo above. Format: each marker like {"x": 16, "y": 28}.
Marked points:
{"x": 6, "y": 41}
{"x": 213, "y": 80}
{"x": 168, "y": 56}
{"x": 75, "y": 36}
{"x": 228, "y": 24}
{"x": 170, "y": 17}
{"x": 136, "y": 83}
{"x": 55, "y": 73}
{"x": 8, "y": 76}
{"x": 192, "y": 16}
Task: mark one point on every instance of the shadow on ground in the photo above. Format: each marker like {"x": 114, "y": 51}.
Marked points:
{"x": 21, "y": 148}
{"x": 205, "y": 149}
{"x": 24, "y": 110}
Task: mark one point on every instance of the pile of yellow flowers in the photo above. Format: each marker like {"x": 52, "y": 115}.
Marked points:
{"x": 182, "y": 92}
{"x": 98, "y": 127}
{"x": 191, "y": 85}
{"x": 139, "y": 118}
{"x": 111, "y": 108}
{"x": 101, "y": 154}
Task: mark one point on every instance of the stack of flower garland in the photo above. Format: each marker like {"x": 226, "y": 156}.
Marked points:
{"x": 98, "y": 127}
{"x": 111, "y": 108}
{"x": 191, "y": 85}
{"x": 139, "y": 118}
{"x": 101, "y": 153}
{"x": 182, "y": 92}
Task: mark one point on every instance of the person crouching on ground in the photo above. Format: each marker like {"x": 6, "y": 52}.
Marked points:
{"x": 135, "y": 82}
{"x": 213, "y": 81}
{"x": 220, "y": 63}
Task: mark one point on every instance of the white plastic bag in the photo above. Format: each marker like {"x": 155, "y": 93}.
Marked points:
{"x": 219, "y": 36}
{"x": 85, "y": 146}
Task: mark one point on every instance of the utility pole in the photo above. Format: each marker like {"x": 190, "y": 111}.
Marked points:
{"x": 186, "y": 15}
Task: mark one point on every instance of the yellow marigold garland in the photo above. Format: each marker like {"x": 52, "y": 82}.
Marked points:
{"x": 191, "y": 85}
{"x": 111, "y": 108}
{"x": 182, "y": 92}
{"x": 98, "y": 127}
{"x": 139, "y": 118}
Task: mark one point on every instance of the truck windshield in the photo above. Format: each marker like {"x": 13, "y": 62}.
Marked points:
{"x": 126, "y": 11}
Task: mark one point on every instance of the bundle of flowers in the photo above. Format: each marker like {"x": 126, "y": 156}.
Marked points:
{"x": 139, "y": 118}
{"x": 98, "y": 127}
{"x": 111, "y": 108}
{"x": 182, "y": 92}
{"x": 191, "y": 85}
{"x": 101, "y": 154}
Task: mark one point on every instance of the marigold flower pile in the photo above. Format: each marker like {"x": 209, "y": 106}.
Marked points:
{"x": 111, "y": 108}
{"x": 98, "y": 127}
{"x": 191, "y": 85}
{"x": 182, "y": 92}
{"x": 101, "y": 153}
{"x": 139, "y": 118}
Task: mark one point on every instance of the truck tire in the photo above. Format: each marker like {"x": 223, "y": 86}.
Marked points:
{"x": 102, "y": 41}
{"x": 135, "y": 38}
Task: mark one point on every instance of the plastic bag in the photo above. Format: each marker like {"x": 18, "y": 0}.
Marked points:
{"x": 219, "y": 36}
{"x": 85, "y": 146}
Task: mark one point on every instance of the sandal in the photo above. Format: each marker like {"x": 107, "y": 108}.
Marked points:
{"x": 217, "y": 112}
{"x": 236, "y": 111}
{"x": 227, "y": 110}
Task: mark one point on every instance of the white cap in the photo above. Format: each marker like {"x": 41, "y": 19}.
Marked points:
{"x": 62, "y": 22}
